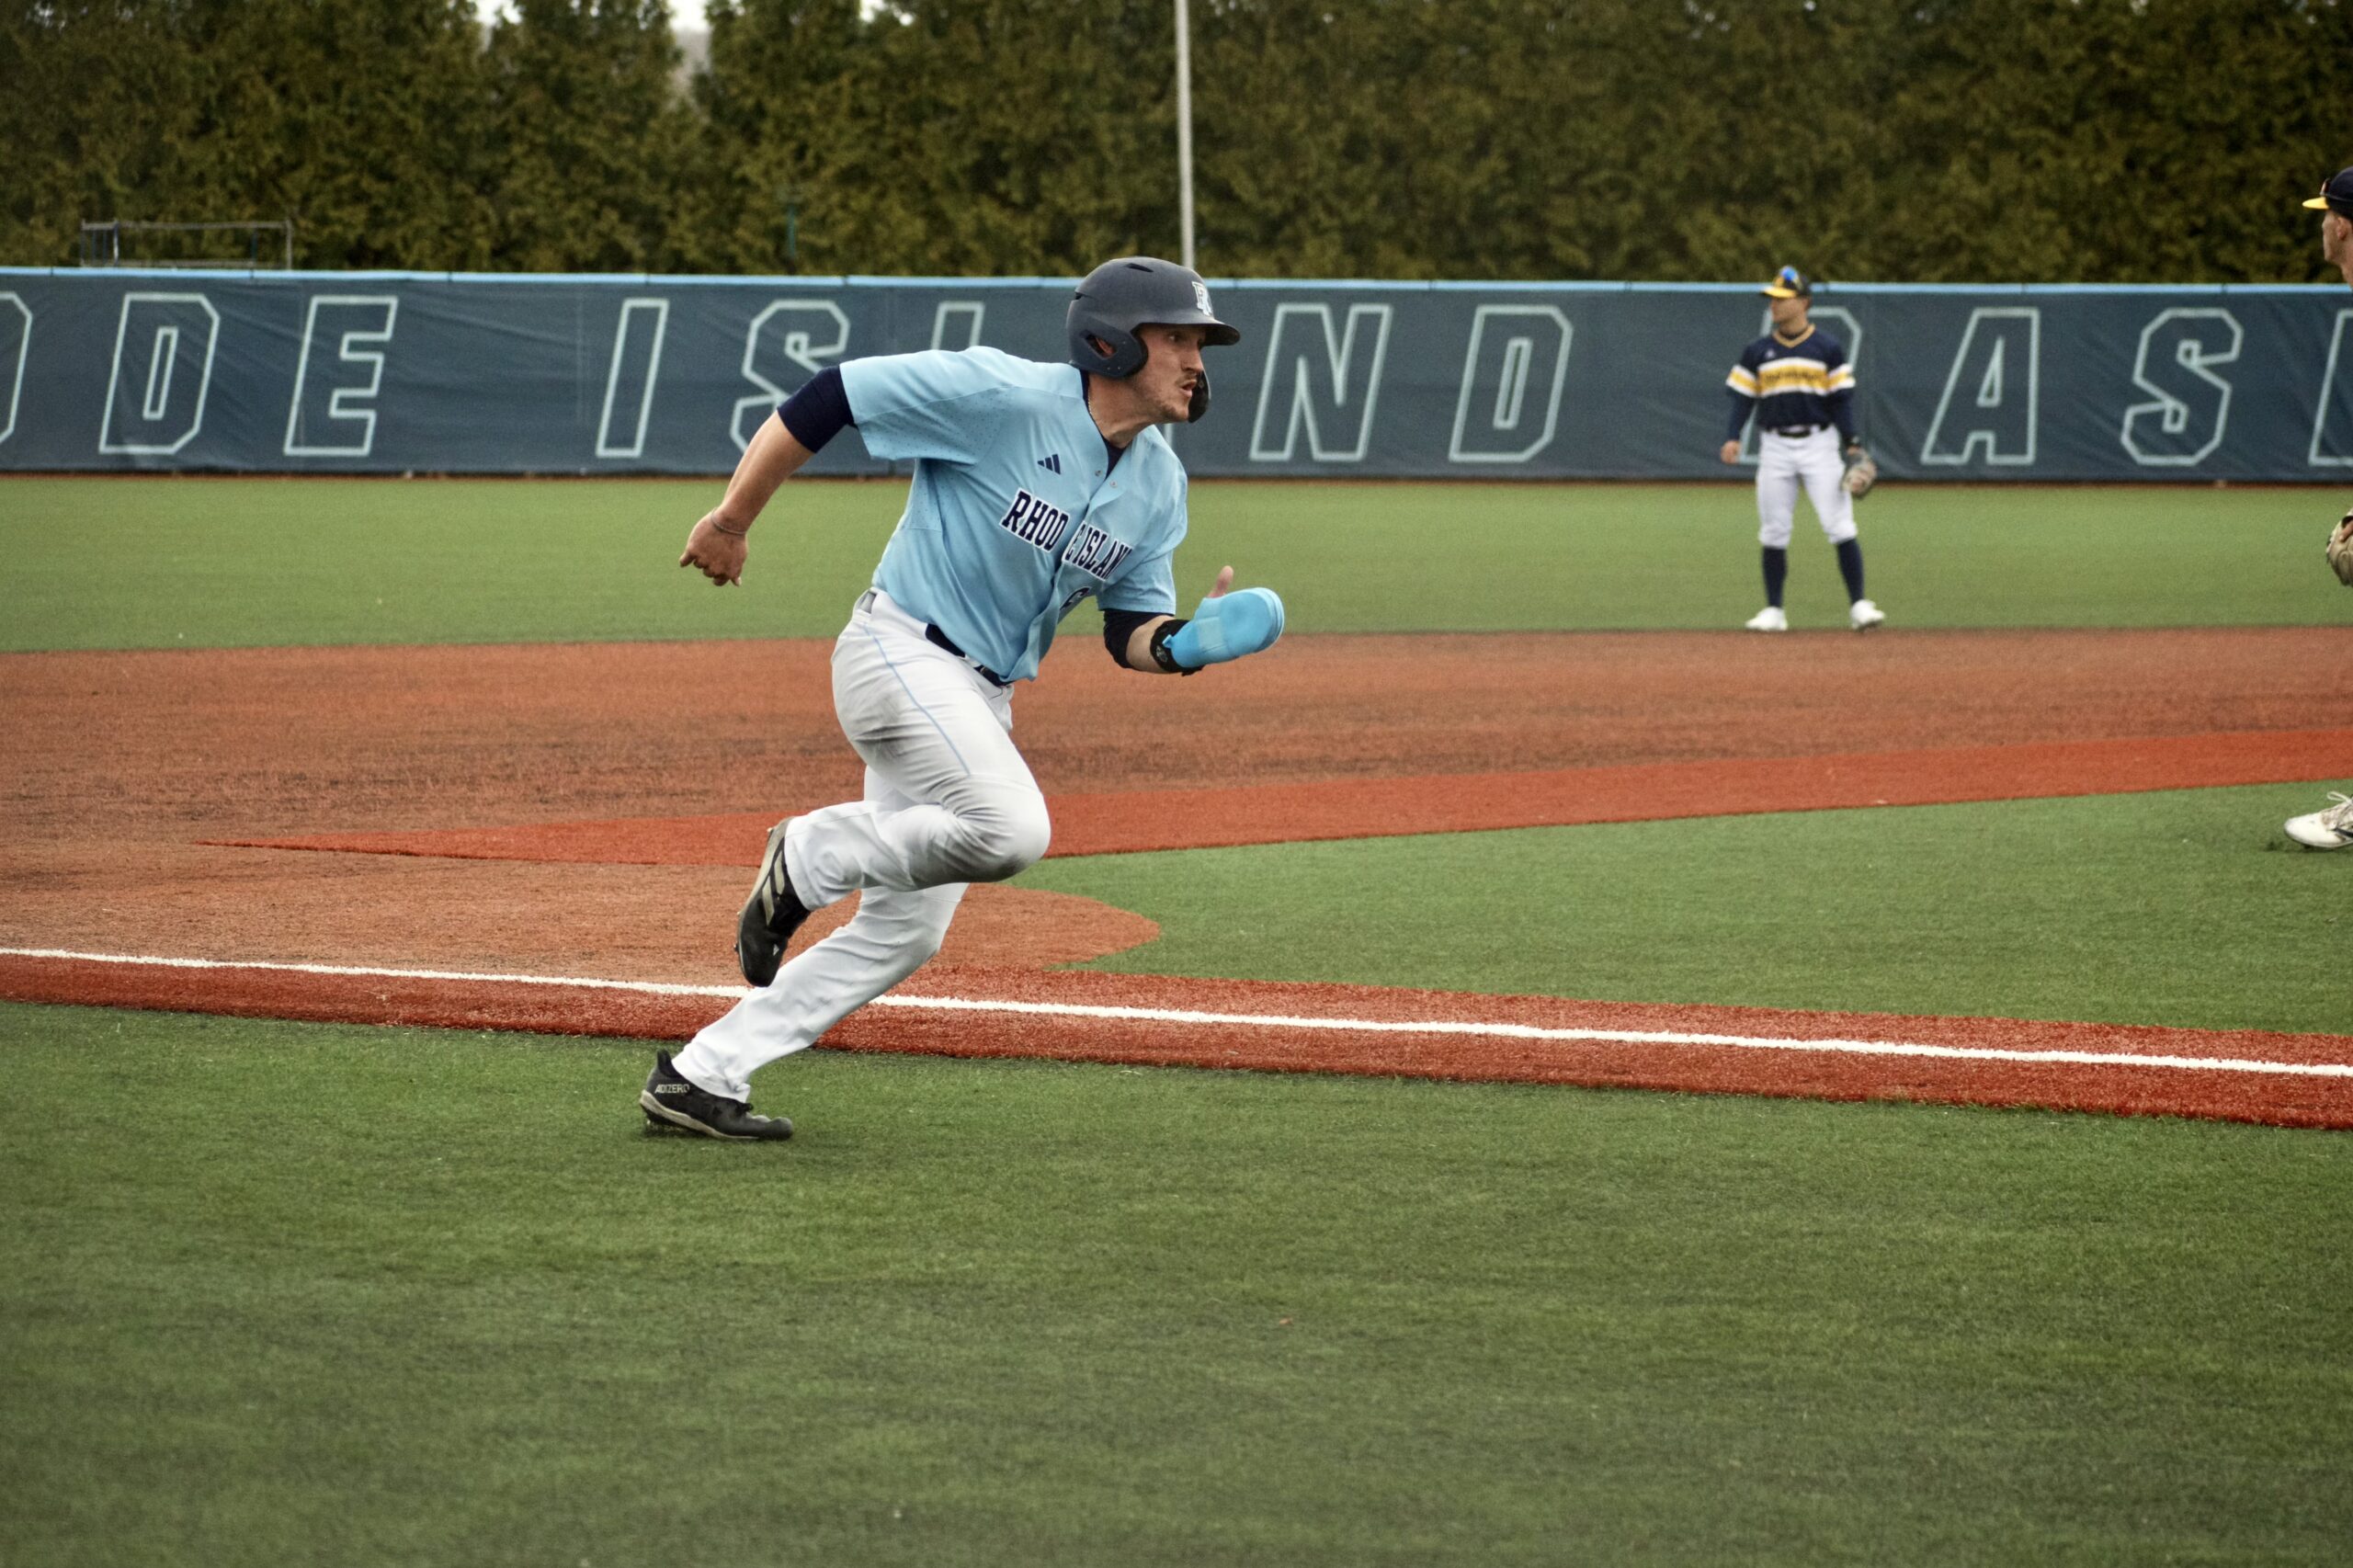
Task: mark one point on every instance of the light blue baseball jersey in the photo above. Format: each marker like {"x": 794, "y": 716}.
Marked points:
{"x": 1016, "y": 512}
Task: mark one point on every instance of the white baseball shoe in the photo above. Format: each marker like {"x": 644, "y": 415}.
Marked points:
{"x": 1862, "y": 615}
{"x": 2329, "y": 828}
{"x": 1770, "y": 619}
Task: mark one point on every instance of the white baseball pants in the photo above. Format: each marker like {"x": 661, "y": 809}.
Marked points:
{"x": 949, "y": 801}
{"x": 1786, "y": 461}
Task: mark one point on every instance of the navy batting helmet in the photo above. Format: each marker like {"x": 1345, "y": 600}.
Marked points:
{"x": 1136, "y": 291}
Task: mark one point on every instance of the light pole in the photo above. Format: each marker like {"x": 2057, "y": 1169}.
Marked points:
{"x": 1185, "y": 132}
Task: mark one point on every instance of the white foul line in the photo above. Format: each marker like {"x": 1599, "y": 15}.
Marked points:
{"x": 1271, "y": 1020}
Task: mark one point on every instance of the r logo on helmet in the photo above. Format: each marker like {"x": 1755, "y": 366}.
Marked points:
{"x": 1201, "y": 298}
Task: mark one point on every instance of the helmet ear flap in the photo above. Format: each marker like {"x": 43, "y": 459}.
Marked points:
{"x": 1103, "y": 347}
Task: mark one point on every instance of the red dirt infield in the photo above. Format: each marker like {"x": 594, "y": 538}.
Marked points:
{"x": 497, "y": 784}
{"x": 1132, "y": 822}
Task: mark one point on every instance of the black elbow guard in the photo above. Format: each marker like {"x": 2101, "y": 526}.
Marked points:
{"x": 1118, "y": 630}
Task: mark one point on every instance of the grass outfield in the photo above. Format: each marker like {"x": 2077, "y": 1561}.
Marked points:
{"x": 2187, "y": 908}
{"x": 133, "y": 563}
{"x": 295, "y": 1294}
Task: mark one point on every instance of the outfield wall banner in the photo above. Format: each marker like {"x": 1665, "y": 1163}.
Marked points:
{"x": 390, "y": 373}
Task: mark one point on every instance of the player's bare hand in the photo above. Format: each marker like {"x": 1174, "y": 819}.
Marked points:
{"x": 1730, "y": 452}
{"x": 713, "y": 551}
{"x": 1224, "y": 581}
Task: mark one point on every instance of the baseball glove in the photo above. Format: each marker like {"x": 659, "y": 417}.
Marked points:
{"x": 1861, "y": 471}
{"x": 2340, "y": 550}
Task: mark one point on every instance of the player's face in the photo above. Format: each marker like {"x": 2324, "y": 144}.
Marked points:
{"x": 1789, "y": 315}
{"x": 1171, "y": 368}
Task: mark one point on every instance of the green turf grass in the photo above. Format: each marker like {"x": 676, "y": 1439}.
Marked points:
{"x": 1376, "y": 557}
{"x": 2187, "y": 908}
{"x": 203, "y": 563}
{"x": 122, "y": 564}
{"x": 282, "y": 1294}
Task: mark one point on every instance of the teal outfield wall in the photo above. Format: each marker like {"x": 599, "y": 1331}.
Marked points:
{"x": 375, "y": 373}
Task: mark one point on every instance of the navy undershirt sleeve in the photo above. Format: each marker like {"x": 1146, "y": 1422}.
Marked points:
{"x": 1742, "y": 407}
{"x": 1842, "y": 413}
{"x": 816, "y": 414}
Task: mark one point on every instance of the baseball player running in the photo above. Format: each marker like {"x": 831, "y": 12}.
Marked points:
{"x": 2332, "y": 826}
{"x": 1796, "y": 382}
{"x": 1036, "y": 485}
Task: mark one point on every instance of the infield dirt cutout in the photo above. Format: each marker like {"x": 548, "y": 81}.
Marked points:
{"x": 588, "y": 811}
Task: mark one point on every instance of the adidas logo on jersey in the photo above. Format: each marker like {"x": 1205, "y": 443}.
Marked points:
{"x": 1052, "y": 462}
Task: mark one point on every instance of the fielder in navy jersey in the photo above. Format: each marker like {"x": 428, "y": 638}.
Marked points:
{"x": 2331, "y": 827}
{"x": 1036, "y": 485}
{"x": 1796, "y": 382}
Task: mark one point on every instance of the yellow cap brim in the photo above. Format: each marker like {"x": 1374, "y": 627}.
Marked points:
{"x": 2318, "y": 201}
{"x": 1772, "y": 293}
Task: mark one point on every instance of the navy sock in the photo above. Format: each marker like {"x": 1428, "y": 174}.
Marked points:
{"x": 1776, "y": 571}
{"x": 1850, "y": 566}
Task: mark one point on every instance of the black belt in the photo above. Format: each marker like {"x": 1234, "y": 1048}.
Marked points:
{"x": 939, "y": 639}
{"x": 1794, "y": 431}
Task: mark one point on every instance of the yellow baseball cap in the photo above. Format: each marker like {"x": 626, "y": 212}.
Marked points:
{"x": 2336, "y": 196}
{"x": 1788, "y": 284}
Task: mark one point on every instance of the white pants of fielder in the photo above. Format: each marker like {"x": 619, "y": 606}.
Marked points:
{"x": 1784, "y": 463}
{"x": 949, "y": 801}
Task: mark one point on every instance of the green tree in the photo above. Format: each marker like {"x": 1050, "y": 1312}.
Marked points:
{"x": 367, "y": 120}
{"x": 95, "y": 99}
{"x": 2113, "y": 141}
{"x": 1935, "y": 139}
{"x": 361, "y": 118}
{"x": 1041, "y": 131}
{"x": 783, "y": 90}
{"x": 941, "y": 137}
{"x": 590, "y": 139}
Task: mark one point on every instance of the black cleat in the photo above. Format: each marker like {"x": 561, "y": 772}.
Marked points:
{"x": 770, "y": 916}
{"x": 671, "y": 1102}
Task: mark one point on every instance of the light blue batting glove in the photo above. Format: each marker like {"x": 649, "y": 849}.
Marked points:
{"x": 1229, "y": 627}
